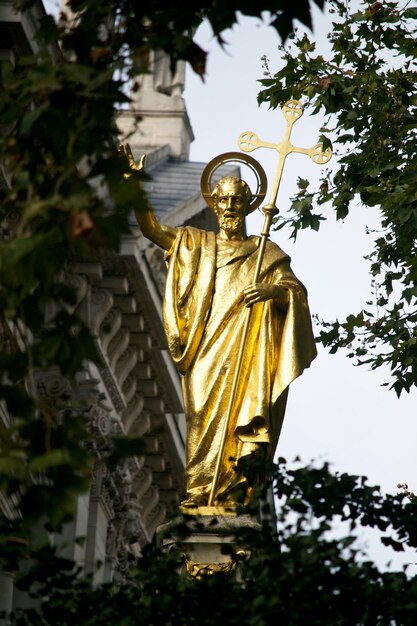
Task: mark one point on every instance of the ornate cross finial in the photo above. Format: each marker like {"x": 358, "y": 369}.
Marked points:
{"x": 292, "y": 111}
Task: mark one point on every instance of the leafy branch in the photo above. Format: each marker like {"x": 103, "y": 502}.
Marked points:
{"x": 366, "y": 89}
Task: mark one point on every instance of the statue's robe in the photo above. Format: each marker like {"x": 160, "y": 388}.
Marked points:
{"x": 204, "y": 316}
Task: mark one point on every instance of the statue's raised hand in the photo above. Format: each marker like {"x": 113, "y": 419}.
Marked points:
{"x": 125, "y": 150}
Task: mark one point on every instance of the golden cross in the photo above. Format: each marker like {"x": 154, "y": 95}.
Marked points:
{"x": 292, "y": 111}
{"x": 248, "y": 141}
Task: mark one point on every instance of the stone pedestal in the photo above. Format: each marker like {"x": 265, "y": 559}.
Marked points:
{"x": 211, "y": 545}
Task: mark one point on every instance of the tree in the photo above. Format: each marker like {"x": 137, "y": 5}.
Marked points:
{"x": 304, "y": 575}
{"x": 366, "y": 90}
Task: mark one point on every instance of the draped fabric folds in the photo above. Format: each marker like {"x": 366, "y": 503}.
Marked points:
{"x": 204, "y": 315}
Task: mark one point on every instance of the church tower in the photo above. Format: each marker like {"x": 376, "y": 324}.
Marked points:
{"x": 157, "y": 120}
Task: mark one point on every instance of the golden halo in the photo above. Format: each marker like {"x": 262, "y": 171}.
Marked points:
{"x": 236, "y": 157}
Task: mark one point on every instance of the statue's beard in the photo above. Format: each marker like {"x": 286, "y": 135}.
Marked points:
{"x": 231, "y": 224}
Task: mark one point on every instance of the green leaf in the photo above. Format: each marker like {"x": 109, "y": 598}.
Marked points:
{"x": 32, "y": 117}
{"x": 51, "y": 459}
{"x": 410, "y": 13}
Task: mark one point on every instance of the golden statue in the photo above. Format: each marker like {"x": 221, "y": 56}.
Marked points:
{"x": 238, "y": 329}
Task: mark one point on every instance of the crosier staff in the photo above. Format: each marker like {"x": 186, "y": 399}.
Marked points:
{"x": 248, "y": 141}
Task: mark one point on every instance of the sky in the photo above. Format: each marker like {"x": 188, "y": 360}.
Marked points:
{"x": 336, "y": 412}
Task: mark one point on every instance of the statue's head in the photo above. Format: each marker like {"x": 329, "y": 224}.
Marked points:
{"x": 212, "y": 194}
{"x": 231, "y": 199}
{"x": 231, "y": 202}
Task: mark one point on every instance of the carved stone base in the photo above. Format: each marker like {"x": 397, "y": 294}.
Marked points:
{"x": 211, "y": 545}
